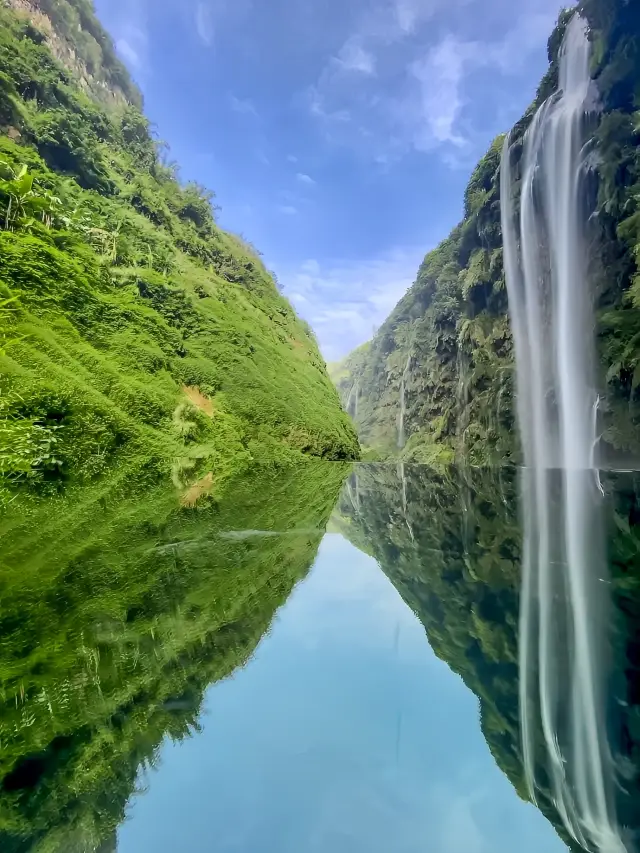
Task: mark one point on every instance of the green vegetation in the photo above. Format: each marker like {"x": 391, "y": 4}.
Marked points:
{"x": 449, "y": 540}
{"x": 120, "y": 606}
{"x": 131, "y": 325}
{"x": 453, "y": 323}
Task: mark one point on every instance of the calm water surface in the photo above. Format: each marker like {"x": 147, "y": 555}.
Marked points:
{"x": 322, "y": 661}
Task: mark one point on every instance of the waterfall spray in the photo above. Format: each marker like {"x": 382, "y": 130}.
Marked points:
{"x": 562, "y": 617}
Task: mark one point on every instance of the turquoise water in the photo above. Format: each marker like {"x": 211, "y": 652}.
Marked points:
{"x": 343, "y": 733}
{"x": 321, "y": 659}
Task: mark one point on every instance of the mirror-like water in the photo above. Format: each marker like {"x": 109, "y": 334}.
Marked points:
{"x": 319, "y": 661}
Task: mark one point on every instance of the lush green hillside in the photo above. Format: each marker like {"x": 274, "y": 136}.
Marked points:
{"x": 452, "y": 326}
{"x": 119, "y": 607}
{"x": 130, "y": 323}
{"x": 450, "y": 542}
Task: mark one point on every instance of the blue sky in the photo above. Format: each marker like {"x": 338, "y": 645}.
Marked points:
{"x": 338, "y": 135}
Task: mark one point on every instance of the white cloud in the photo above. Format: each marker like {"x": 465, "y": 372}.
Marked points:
{"x": 287, "y": 209}
{"x": 128, "y": 52}
{"x": 346, "y": 301}
{"x": 305, "y": 179}
{"x": 128, "y": 24}
{"x": 292, "y": 158}
{"x": 440, "y": 75}
{"x": 410, "y": 13}
{"x": 353, "y": 57}
{"x": 530, "y": 31}
{"x": 204, "y": 23}
{"x": 244, "y": 106}
{"x": 417, "y": 68}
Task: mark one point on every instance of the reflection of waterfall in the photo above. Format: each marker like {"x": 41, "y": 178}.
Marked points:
{"x": 562, "y": 631}
{"x": 403, "y": 480}
{"x": 403, "y": 407}
{"x": 353, "y": 491}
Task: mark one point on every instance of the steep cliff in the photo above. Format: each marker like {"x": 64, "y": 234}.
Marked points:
{"x": 130, "y": 323}
{"x": 437, "y": 380}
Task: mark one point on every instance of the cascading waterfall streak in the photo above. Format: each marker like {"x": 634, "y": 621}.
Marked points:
{"x": 403, "y": 407}
{"x": 563, "y": 714}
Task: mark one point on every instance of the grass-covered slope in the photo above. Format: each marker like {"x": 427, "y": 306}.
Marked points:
{"x": 452, "y": 324}
{"x": 120, "y": 606}
{"x": 129, "y": 321}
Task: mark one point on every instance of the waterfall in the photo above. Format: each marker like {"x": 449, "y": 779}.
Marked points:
{"x": 563, "y": 713}
{"x": 353, "y": 394}
{"x": 403, "y": 408}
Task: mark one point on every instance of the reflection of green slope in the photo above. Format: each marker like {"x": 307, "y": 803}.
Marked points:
{"x": 119, "y": 608}
{"x": 452, "y": 552}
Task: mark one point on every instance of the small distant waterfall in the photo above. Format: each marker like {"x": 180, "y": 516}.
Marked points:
{"x": 403, "y": 407}
{"x": 354, "y": 392}
{"x": 563, "y": 638}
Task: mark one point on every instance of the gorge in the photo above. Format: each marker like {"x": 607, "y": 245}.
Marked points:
{"x": 221, "y": 630}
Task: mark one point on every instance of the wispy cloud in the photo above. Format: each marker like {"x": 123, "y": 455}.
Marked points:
{"x": 244, "y": 106}
{"x": 204, "y": 23}
{"x": 410, "y": 13}
{"x": 128, "y": 25}
{"x": 346, "y": 301}
{"x": 287, "y": 209}
{"x": 128, "y": 52}
{"x": 353, "y": 57}
{"x": 440, "y": 101}
{"x": 415, "y": 67}
{"x": 305, "y": 179}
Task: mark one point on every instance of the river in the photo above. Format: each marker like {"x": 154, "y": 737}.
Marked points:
{"x": 320, "y": 660}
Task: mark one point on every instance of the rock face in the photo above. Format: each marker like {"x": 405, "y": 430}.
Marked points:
{"x": 131, "y": 325}
{"x": 452, "y": 324}
{"x": 78, "y": 41}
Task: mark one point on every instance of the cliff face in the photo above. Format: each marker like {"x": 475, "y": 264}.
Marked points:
{"x": 130, "y": 323}
{"x": 442, "y": 363}
{"x": 76, "y": 38}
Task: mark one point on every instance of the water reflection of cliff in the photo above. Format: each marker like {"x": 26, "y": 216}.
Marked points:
{"x": 119, "y": 608}
{"x": 449, "y": 541}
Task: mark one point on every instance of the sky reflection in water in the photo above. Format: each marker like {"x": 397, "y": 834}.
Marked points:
{"x": 345, "y": 733}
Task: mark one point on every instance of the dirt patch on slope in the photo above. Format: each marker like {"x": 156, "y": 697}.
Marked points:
{"x": 199, "y": 400}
